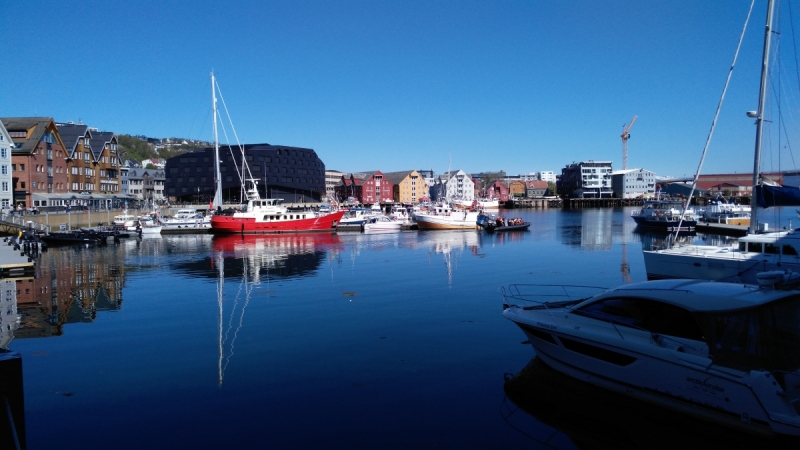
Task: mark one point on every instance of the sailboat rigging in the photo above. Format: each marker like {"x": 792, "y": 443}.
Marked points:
{"x": 259, "y": 215}
{"x": 760, "y": 250}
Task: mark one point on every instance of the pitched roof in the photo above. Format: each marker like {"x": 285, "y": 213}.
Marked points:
{"x": 397, "y": 177}
{"x": 70, "y": 133}
{"x": 99, "y": 141}
{"x": 536, "y": 184}
{"x": 33, "y": 126}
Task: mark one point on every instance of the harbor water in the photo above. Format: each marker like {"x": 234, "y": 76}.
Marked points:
{"x": 353, "y": 340}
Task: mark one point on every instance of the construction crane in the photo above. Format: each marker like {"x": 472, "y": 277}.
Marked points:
{"x": 625, "y": 136}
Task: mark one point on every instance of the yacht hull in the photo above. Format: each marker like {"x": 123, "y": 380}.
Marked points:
{"x": 455, "y": 221}
{"x": 251, "y": 223}
{"x": 670, "y": 378}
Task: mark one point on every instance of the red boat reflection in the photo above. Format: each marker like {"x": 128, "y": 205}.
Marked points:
{"x": 242, "y": 245}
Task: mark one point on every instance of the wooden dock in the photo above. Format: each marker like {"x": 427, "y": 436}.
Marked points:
{"x": 721, "y": 228}
{"x": 14, "y": 262}
{"x": 602, "y": 202}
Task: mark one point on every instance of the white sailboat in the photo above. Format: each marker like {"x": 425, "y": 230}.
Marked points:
{"x": 760, "y": 250}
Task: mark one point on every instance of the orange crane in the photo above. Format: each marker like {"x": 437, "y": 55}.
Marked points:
{"x": 625, "y": 136}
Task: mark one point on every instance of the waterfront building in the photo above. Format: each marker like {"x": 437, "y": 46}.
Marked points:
{"x": 535, "y": 189}
{"x": 408, "y": 186}
{"x": 92, "y": 165}
{"x": 736, "y": 184}
{"x": 294, "y": 174}
{"x": 460, "y": 186}
{"x": 349, "y": 189}
{"x": 38, "y": 160}
{"x": 586, "y": 179}
{"x": 146, "y": 186}
{"x": 497, "y": 190}
{"x": 517, "y": 188}
{"x": 6, "y": 181}
{"x": 366, "y": 188}
{"x": 332, "y": 179}
{"x": 633, "y": 183}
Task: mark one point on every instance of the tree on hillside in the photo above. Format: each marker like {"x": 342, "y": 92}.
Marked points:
{"x": 135, "y": 149}
{"x": 551, "y": 188}
{"x": 139, "y": 150}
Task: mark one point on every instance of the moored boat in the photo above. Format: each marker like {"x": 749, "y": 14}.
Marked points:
{"x": 726, "y": 212}
{"x": 491, "y": 224}
{"x": 720, "y": 351}
{"x": 666, "y": 215}
{"x": 382, "y": 223}
{"x": 270, "y": 216}
{"x": 75, "y": 237}
{"x": 186, "y": 218}
{"x": 444, "y": 217}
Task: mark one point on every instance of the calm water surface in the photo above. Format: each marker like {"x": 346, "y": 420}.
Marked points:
{"x": 346, "y": 341}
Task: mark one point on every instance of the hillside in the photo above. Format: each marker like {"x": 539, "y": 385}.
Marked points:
{"x": 138, "y": 148}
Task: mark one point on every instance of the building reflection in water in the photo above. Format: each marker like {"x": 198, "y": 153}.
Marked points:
{"x": 9, "y": 318}
{"x": 589, "y": 229}
{"x": 70, "y": 285}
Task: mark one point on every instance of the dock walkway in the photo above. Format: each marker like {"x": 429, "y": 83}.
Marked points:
{"x": 14, "y": 261}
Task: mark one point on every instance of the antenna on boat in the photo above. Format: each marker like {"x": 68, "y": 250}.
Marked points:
{"x": 762, "y": 96}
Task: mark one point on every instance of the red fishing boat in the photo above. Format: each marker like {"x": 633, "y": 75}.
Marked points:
{"x": 270, "y": 216}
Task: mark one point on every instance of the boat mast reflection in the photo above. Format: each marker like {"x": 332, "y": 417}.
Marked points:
{"x": 251, "y": 259}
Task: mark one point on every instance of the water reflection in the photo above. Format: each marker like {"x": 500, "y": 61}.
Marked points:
{"x": 9, "y": 319}
{"x": 594, "y": 418}
{"x": 588, "y": 229}
{"x": 281, "y": 256}
{"x": 451, "y": 245}
{"x": 70, "y": 285}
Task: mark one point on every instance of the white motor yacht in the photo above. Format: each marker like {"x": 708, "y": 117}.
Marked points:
{"x": 721, "y": 351}
{"x": 187, "y": 218}
{"x": 382, "y": 223}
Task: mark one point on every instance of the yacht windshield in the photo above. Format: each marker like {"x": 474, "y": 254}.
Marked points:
{"x": 767, "y": 337}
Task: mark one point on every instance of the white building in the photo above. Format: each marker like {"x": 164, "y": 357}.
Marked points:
{"x": 633, "y": 183}
{"x": 546, "y": 175}
{"x": 460, "y": 186}
{"x": 332, "y": 178}
{"x": 586, "y": 179}
{"x": 6, "y": 183}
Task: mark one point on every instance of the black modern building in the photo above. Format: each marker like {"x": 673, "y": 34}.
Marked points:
{"x": 294, "y": 174}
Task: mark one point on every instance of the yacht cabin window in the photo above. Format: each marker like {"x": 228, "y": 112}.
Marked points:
{"x": 650, "y": 315}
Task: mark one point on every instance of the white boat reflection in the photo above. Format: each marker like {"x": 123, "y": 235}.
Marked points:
{"x": 451, "y": 245}
{"x": 595, "y": 418}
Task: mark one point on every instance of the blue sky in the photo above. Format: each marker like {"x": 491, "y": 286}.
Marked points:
{"x": 519, "y": 86}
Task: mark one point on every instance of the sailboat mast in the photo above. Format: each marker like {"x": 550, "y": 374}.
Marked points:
{"x": 762, "y": 96}
{"x": 218, "y": 193}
